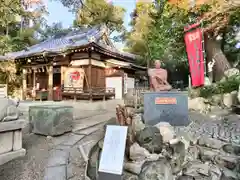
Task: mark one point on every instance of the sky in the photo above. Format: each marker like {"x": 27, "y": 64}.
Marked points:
{"x": 59, "y": 13}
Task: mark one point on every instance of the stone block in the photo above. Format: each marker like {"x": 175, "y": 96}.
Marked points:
{"x": 12, "y": 125}
{"x": 165, "y": 106}
{"x": 51, "y": 120}
{"x": 6, "y": 157}
{"x": 17, "y": 140}
{"x": 6, "y": 142}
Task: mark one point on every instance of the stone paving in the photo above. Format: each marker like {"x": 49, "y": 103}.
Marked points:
{"x": 59, "y": 157}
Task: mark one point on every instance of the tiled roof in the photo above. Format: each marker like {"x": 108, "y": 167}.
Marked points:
{"x": 63, "y": 42}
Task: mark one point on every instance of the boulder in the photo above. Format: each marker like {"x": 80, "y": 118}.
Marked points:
{"x": 232, "y": 72}
{"x": 139, "y": 154}
{"x": 134, "y": 167}
{"x": 198, "y": 104}
{"x": 137, "y": 123}
{"x": 210, "y": 142}
{"x": 150, "y": 139}
{"x": 230, "y": 99}
{"x": 157, "y": 170}
{"x": 9, "y": 110}
{"x": 166, "y": 130}
{"x": 216, "y": 99}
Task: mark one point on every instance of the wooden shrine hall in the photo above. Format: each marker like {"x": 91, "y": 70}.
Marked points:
{"x": 82, "y": 64}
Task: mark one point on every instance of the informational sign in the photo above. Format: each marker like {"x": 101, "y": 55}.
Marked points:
{"x": 193, "y": 40}
{"x": 74, "y": 77}
{"x": 112, "y": 157}
{"x": 125, "y": 81}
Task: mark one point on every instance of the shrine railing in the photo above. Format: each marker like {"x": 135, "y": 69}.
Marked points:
{"x": 92, "y": 93}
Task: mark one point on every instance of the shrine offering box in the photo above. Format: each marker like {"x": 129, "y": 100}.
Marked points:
{"x": 166, "y": 106}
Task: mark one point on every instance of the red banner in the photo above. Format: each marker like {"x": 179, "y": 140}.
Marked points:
{"x": 193, "y": 40}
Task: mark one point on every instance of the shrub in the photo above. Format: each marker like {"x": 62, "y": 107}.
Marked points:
{"x": 231, "y": 84}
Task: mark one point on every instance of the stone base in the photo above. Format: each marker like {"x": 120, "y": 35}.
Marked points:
{"x": 9, "y": 156}
{"x": 166, "y": 106}
{"x": 108, "y": 176}
{"x": 11, "y": 140}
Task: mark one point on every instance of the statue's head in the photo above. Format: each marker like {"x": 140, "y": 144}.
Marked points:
{"x": 157, "y": 64}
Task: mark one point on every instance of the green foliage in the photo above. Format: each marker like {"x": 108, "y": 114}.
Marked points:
{"x": 166, "y": 38}
{"x": 94, "y": 12}
{"x": 227, "y": 86}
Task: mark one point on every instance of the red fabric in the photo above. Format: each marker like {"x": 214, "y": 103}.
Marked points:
{"x": 193, "y": 40}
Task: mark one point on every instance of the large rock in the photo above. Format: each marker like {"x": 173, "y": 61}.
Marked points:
{"x": 232, "y": 72}
{"x": 150, "y": 139}
{"x": 158, "y": 170}
{"x": 210, "y": 142}
{"x": 216, "y": 99}
{"x": 8, "y": 110}
{"x": 51, "y": 120}
{"x": 137, "y": 123}
{"x": 166, "y": 130}
{"x": 230, "y": 99}
{"x": 140, "y": 154}
{"x": 198, "y": 104}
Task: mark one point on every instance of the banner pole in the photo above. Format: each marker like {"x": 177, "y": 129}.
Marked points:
{"x": 204, "y": 53}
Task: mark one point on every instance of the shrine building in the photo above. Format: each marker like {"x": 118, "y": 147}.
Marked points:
{"x": 82, "y": 64}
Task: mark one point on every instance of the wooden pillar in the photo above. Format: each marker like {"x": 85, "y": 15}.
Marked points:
{"x": 24, "y": 84}
{"x": 34, "y": 78}
{"x": 50, "y": 82}
{"x": 90, "y": 74}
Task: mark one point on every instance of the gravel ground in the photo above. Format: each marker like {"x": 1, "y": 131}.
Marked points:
{"x": 31, "y": 166}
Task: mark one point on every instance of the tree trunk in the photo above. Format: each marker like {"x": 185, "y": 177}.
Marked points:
{"x": 214, "y": 51}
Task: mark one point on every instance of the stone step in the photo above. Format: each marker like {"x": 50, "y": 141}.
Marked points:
{"x": 92, "y": 121}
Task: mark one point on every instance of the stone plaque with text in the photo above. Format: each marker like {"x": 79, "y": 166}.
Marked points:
{"x": 112, "y": 157}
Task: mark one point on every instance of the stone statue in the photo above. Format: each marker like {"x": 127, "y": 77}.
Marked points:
{"x": 158, "y": 78}
{"x": 9, "y": 110}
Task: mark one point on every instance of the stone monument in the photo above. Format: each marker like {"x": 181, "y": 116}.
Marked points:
{"x": 158, "y": 78}
{"x": 9, "y": 110}
{"x": 164, "y": 105}
{"x": 10, "y": 131}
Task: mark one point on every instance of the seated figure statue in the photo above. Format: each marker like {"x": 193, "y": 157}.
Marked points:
{"x": 158, "y": 78}
{"x": 9, "y": 110}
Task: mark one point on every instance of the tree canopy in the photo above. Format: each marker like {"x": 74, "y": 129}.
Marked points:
{"x": 162, "y": 35}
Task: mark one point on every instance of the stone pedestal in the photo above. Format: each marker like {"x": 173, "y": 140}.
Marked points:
{"x": 165, "y": 106}
{"x": 51, "y": 120}
{"x": 11, "y": 140}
